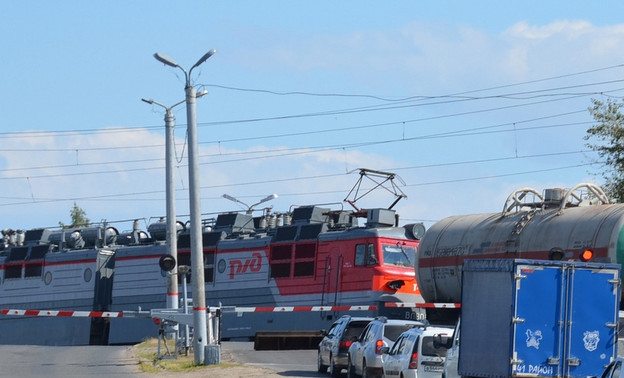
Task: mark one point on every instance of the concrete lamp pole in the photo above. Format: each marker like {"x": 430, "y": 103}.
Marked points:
{"x": 172, "y": 233}
{"x": 197, "y": 256}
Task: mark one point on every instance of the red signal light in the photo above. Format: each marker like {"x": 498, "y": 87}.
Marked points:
{"x": 586, "y": 255}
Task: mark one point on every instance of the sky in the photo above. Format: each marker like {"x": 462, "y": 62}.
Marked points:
{"x": 464, "y": 102}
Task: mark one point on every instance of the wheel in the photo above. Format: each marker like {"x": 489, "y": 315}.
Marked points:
{"x": 333, "y": 371}
{"x": 319, "y": 364}
{"x": 350, "y": 369}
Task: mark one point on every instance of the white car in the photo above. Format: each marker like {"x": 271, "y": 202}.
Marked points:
{"x": 365, "y": 357}
{"x": 414, "y": 354}
{"x": 452, "y": 355}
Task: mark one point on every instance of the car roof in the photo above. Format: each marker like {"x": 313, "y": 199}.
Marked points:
{"x": 435, "y": 330}
{"x": 352, "y": 318}
{"x": 429, "y": 331}
{"x": 401, "y": 322}
{"x": 360, "y": 318}
{"x": 385, "y": 320}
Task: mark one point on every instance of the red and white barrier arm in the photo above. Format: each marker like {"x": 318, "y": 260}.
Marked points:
{"x": 422, "y": 305}
{"x": 77, "y": 314}
{"x": 299, "y": 308}
{"x": 120, "y": 314}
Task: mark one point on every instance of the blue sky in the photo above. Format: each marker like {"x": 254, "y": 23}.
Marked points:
{"x": 464, "y": 101}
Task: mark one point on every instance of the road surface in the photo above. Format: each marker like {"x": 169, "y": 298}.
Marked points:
{"x": 119, "y": 361}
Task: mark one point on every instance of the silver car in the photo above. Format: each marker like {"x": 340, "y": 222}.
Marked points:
{"x": 365, "y": 354}
{"x": 332, "y": 350}
{"x": 415, "y": 355}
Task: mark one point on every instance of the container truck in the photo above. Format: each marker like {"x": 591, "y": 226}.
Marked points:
{"x": 537, "y": 318}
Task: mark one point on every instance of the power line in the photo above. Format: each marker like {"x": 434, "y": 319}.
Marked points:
{"x": 454, "y": 97}
{"x": 316, "y": 177}
{"x": 315, "y": 132}
{"x": 500, "y": 175}
{"x": 279, "y": 152}
{"x": 281, "y": 93}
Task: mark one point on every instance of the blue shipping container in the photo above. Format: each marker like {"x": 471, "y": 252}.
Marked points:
{"x": 525, "y": 318}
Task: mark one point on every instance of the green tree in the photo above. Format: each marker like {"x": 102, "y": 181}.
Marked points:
{"x": 606, "y": 138}
{"x": 78, "y": 218}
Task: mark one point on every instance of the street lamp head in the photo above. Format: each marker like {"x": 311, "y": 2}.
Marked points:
{"x": 204, "y": 58}
{"x": 150, "y": 101}
{"x": 226, "y": 196}
{"x": 166, "y": 60}
{"x": 270, "y": 197}
{"x": 201, "y": 93}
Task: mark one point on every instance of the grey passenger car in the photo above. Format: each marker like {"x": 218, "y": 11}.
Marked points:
{"x": 332, "y": 350}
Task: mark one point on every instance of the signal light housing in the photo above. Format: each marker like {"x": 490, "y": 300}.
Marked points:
{"x": 556, "y": 254}
{"x": 586, "y": 255}
{"x": 167, "y": 263}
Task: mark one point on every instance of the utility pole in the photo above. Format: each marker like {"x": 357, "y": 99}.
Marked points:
{"x": 172, "y": 232}
{"x": 197, "y": 255}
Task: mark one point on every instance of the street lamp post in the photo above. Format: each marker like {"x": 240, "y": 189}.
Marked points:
{"x": 172, "y": 233}
{"x": 197, "y": 260}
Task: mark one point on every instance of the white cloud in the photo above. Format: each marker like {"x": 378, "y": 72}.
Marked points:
{"x": 566, "y": 29}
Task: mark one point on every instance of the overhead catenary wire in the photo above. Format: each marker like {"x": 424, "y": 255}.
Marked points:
{"x": 452, "y": 96}
{"x": 303, "y": 150}
{"x": 272, "y": 153}
{"x": 119, "y": 196}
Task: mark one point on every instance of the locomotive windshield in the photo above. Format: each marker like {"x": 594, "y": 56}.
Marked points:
{"x": 399, "y": 255}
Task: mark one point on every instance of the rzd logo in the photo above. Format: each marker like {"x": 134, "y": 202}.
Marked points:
{"x": 252, "y": 264}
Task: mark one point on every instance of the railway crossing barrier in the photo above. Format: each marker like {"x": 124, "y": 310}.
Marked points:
{"x": 263, "y": 340}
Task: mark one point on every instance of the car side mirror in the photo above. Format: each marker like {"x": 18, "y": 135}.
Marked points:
{"x": 385, "y": 350}
{"x": 442, "y": 340}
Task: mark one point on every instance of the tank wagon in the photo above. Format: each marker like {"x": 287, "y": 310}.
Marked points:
{"x": 558, "y": 224}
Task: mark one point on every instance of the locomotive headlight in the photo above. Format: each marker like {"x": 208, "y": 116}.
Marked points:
{"x": 417, "y": 230}
{"x": 586, "y": 255}
{"x": 396, "y": 284}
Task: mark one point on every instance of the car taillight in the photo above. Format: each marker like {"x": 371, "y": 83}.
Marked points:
{"x": 378, "y": 346}
{"x": 414, "y": 361}
{"x": 345, "y": 344}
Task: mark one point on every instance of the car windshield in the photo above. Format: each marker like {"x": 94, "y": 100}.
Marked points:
{"x": 429, "y": 350}
{"x": 399, "y": 255}
{"x": 354, "y": 329}
{"x": 392, "y": 331}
